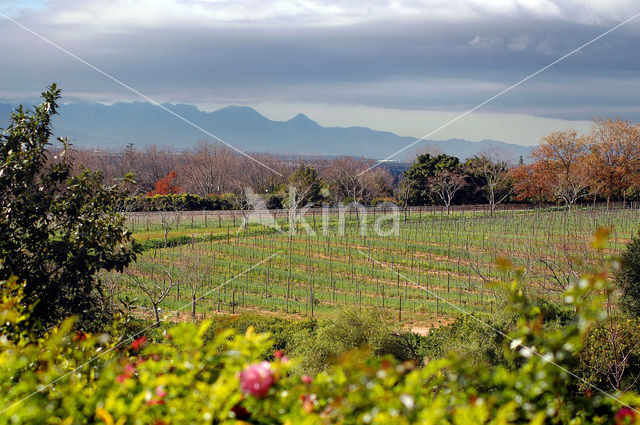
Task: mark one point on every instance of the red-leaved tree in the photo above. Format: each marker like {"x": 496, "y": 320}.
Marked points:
{"x": 166, "y": 185}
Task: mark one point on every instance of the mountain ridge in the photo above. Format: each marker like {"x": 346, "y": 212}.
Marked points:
{"x": 112, "y": 126}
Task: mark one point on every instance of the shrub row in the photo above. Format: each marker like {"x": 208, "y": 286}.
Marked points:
{"x": 181, "y": 202}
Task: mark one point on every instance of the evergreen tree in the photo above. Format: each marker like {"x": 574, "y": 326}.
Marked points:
{"x": 57, "y": 228}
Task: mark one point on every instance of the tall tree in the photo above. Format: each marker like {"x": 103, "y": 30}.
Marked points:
{"x": 208, "y": 168}
{"x": 530, "y": 182}
{"x": 57, "y": 229}
{"x": 563, "y": 159}
{"x": 494, "y": 173}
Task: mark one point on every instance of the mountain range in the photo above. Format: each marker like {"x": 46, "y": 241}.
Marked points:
{"x": 102, "y": 126}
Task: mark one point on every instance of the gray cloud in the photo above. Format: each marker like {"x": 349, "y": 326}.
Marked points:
{"x": 409, "y": 55}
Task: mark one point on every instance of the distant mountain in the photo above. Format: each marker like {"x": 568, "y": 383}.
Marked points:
{"x": 113, "y": 126}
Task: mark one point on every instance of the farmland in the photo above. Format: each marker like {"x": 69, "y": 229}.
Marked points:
{"x": 434, "y": 267}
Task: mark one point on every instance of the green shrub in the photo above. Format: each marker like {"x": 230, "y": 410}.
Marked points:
{"x": 628, "y": 278}
{"x": 178, "y": 202}
{"x": 610, "y": 357}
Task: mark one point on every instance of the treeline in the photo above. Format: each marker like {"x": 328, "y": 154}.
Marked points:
{"x": 567, "y": 167}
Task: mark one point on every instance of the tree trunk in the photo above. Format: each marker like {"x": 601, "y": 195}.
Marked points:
{"x": 193, "y": 307}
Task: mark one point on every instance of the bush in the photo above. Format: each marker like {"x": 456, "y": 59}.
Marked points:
{"x": 378, "y": 201}
{"x": 479, "y": 342}
{"x": 610, "y": 357}
{"x": 628, "y": 278}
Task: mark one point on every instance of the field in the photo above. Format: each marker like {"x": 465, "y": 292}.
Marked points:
{"x": 436, "y": 266}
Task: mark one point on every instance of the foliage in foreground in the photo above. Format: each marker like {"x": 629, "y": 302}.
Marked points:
{"x": 188, "y": 378}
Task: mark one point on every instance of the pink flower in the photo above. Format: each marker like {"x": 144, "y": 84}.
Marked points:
{"x": 129, "y": 371}
{"x": 138, "y": 342}
{"x": 278, "y": 354}
{"x": 306, "y": 379}
{"x": 256, "y": 379}
{"x": 625, "y": 413}
{"x": 160, "y": 392}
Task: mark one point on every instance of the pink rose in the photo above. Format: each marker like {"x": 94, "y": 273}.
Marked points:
{"x": 625, "y": 415}
{"x": 307, "y": 379}
{"x": 138, "y": 343}
{"x": 256, "y": 379}
{"x": 129, "y": 371}
{"x": 160, "y": 392}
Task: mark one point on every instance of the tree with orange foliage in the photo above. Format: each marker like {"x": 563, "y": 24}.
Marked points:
{"x": 615, "y": 156}
{"x": 530, "y": 182}
{"x": 166, "y": 185}
{"x": 563, "y": 161}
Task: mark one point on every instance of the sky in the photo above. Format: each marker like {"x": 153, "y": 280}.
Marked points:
{"x": 406, "y": 66}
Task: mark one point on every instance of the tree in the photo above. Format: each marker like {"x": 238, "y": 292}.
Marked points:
{"x": 354, "y": 180}
{"x": 168, "y": 220}
{"x": 445, "y": 184}
{"x": 167, "y": 185}
{"x": 57, "y": 229}
{"x": 195, "y": 282}
{"x": 304, "y": 190}
{"x": 157, "y": 290}
{"x": 307, "y": 185}
{"x": 424, "y": 168}
{"x": 495, "y": 175}
{"x": 208, "y": 168}
{"x": 615, "y": 156}
{"x": 530, "y": 182}
{"x": 405, "y": 193}
{"x": 563, "y": 160}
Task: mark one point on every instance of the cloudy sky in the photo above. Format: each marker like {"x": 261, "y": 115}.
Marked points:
{"x": 406, "y": 66}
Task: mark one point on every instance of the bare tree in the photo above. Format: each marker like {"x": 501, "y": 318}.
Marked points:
{"x": 168, "y": 221}
{"x": 353, "y": 180}
{"x": 610, "y": 347}
{"x": 445, "y": 184}
{"x": 208, "y": 168}
{"x": 194, "y": 281}
{"x": 155, "y": 290}
{"x": 559, "y": 268}
{"x": 494, "y": 170}
{"x": 405, "y": 191}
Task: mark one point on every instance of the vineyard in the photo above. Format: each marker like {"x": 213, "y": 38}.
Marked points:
{"x": 434, "y": 267}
